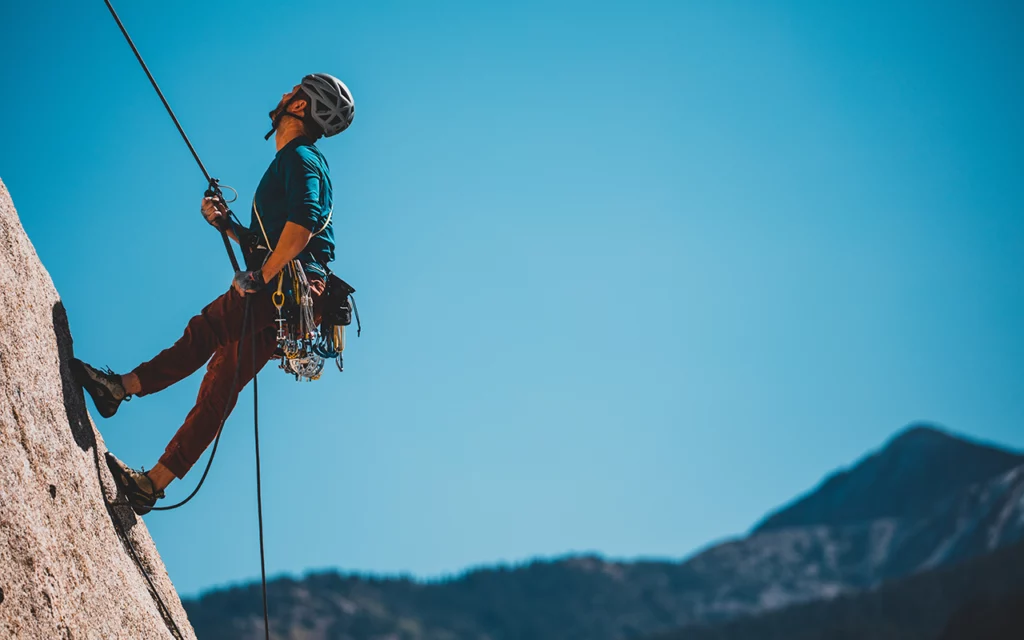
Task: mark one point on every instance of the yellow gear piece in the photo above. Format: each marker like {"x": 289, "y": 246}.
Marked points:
{"x": 278, "y": 297}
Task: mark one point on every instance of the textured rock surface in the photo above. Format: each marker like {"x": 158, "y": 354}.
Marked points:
{"x": 70, "y": 565}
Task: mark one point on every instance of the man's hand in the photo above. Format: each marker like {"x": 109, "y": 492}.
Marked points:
{"x": 215, "y": 211}
{"x": 248, "y": 282}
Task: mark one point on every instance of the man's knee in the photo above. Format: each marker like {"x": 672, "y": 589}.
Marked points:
{"x": 219, "y": 321}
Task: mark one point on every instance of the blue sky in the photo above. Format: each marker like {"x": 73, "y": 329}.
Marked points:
{"x": 631, "y": 274}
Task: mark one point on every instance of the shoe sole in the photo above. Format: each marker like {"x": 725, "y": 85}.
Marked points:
{"x": 81, "y": 375}
{"x": 124, "y": 483}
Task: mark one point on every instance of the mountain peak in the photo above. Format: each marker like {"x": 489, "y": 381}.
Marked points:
{"x": 921, "y": 464}
{"x": 922, "y": 433}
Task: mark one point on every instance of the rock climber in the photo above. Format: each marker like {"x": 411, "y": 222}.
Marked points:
{"x": 291, "y": 216}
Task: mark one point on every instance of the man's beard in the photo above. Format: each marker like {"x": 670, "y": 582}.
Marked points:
{"x": 276, "y": 111}
{"x": 275, "y": 116}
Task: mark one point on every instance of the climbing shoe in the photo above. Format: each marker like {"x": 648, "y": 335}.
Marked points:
{"x": 136, "y": 485}
{"x": 104, "y": 386}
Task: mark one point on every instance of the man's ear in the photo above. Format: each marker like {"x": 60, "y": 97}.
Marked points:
{"x": 298, "y": 107}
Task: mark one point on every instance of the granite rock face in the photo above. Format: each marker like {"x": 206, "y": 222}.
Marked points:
{"x": 75, "y": 562}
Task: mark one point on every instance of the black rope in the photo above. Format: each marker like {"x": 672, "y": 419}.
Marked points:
{"x": 214, "y": 189}
{"x": 160, "y": 93}
{"x": 216, "y": 442}
{"x": 213, "y": 186}
{"x": 259, "y": 492}
{"x": 256, "y": 432}
{"x": 165, "y": 611}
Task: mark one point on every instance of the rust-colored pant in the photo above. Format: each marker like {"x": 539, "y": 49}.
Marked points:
{"x": 214, "y": 332}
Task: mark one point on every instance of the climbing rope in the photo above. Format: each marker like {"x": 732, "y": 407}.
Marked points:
{"x": 259, "y": 492}
{"x": 213, "y": 189}
{"x": 165, "y": 611}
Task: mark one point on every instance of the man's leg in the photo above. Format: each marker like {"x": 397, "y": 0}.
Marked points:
{"x": 200, "y": 427}
{"x": 216, "y": 398}
{"x": 219, "y": 324}
{"x": 202, "y": 423}
{"x": 216, "y": 326}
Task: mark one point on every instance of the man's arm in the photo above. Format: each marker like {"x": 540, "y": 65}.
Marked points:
{"x": 293, "y": 240}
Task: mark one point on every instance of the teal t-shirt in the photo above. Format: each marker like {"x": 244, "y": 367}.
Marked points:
{"x": 297, "y": 188}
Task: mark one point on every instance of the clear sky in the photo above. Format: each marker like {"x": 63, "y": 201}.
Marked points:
{"x": 631, "y": 274}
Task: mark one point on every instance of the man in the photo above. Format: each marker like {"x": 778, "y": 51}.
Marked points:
{"x": 291, "y": 216}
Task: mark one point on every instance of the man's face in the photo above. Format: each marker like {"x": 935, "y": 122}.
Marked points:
{"x": 284, "y": 100}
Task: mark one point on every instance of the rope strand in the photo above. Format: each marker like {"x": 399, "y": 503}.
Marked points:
{"x": 213, "y": 186}
{"x": 259, "y": 492}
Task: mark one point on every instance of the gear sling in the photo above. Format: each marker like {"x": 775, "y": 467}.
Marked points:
{"x": 302, "y": 345}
